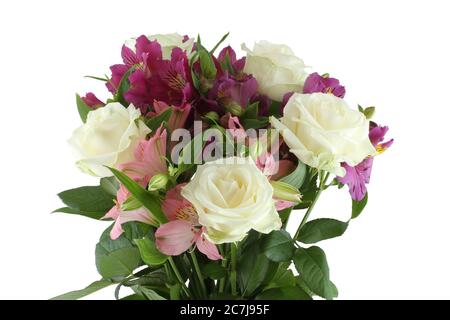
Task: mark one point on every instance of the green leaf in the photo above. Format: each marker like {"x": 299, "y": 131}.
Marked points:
{"x": 321, "y": 229}
{"x": 83, "y": 108}
{"x": 78, "y": 294}
{"x": 116, "y": 259}
{"x": 252, "y": 111}
{"x": 92, "y": 201}
{"x": 134, "y": 297}
{"x": 97, "y": 215}
{"x": 207, "y": 66}
{"x": 110, "y": 185}
{"x": 214, "y": 271}
{"x": 312, "y": 265}
{"x": 123, "y": 87}
{"x": 155, "y": 122}
{"x": 252, "y": 268}
{"x": 147, "y": 293}
{"x": 284, "y": 293}
{"x": 219, "y": 43}
{"x": 148, "y": 200}
{"x": 283, "y": 278}
{"x": 261, "y": 122}
{"x": 97, "y": 78}
{"x": 278, "y": 246}
{"x": 149, "y": 253}
{"x": 297, "y": 177}
{"x": 358, "y": 206}
{"x": 119, "y": 263}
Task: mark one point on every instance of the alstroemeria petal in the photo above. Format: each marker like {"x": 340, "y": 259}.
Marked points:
{"x": 207, "y": 248}
{"x": 175, "y": 237}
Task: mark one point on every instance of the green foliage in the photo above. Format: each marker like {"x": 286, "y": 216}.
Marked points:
{"x": 78, "y": 294}
{"x": 252, "y": 269}
{"x": 358, "y": 206}
{"x": 116, "y": 259}
{"x": 83, "y": 108}
{"x": 149, "y": 253}
{"x": 311, "y": 263}
{"x": 155, "y": 122}
{"x": 284, "y": 293}
{"x": 278, "y": 246}
{"x": 92, "y": 201}
{"x": 321, "y": 229}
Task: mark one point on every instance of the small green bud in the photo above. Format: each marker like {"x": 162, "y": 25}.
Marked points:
{"x": 212, "y": 115}
{"x": 234, "y": 108}
{"x": 284, "y": 191}
{"x": 158, "y": 181}
{"x": 369, "y": 112}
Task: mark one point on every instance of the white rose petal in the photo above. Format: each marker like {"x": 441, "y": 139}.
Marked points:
{"x": 276, "y": 68}
{"x": 108, "y": 138}
{"x": 322, "y": 131}
{"x": 231, "y": 197}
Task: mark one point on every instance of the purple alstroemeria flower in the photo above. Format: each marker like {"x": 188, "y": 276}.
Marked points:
{"x": 233, "y": 94}
{"x": 358, "y": 176}
{"x": 92, "y": 101}
{"x": 325, "y": 84}
{"x": 232, "y": 90}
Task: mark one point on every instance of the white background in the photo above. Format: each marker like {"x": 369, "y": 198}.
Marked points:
{"x": 391, "y": 54}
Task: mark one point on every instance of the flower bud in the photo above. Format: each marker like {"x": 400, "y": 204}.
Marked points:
{"x": 158, "y": 181}
{"x": 284, "y": 191}
{"x": 212, "y": 115}
{"x": 234, "y": 108}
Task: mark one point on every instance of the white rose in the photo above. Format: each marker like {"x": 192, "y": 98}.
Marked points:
{"x": 167, "y": 42}
{"x": 108, "y": 138}
{"x": 322, "y": 131}
{"x": 276, "y": 68}
{"x": 231, "y": 197}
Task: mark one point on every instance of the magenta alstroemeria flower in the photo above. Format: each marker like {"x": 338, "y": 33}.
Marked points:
{"x": 117, "y": 73}
{"x": 183, "y": 229}
{"x": 236, "y": 64}
{"x": 150, "y": 158}
{"x": 325, "y": 84}
{"x": 153, "y": 78}
{"x": 92, "y": 101}
{"x": 116, "y": 213}
{"x": 358, "y": 176}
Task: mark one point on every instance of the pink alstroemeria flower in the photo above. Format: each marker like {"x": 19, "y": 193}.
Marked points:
{"x": 177, "y": 118}
{"x": 150, "y": 158}
{"x": 116, "y": 213}
{"x": 183, "y": 229}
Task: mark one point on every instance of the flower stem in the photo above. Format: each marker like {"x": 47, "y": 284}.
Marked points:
{"x": 233, "y": 255}
{"x": 178, "y": 275}
{"x": 224, "y": 264}
{"x": 323, "y": 178}
{"x": 199, "y": 273}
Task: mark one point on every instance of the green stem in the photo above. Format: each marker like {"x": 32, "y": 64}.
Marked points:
{"x": 199, "y": 273}
{"x": 233, "y": 269}
{"x": 178, "y": 275}
{"x": 224, "y": 264}
{"x": 323, "y": 179}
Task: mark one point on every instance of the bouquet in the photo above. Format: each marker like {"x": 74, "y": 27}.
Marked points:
{"x": 203, "y": 157}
